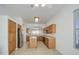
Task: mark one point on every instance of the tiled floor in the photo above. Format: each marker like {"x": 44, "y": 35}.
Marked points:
{"x": 40, "y": 50}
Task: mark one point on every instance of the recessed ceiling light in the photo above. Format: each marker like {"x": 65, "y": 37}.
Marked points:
{"x": 42, "y": 5}
{"x": 37, "y": 5}
{"x": 36, "y": 19}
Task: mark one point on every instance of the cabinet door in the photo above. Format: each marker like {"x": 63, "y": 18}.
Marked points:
{"x": 46, "y": 41}
{"x": 43, "y": 39}
{"x": 51, "y": 43}
{"x": 54, "y": 28}
{"x": 10, "y": 43}
{"x": 12, "y": 36}
{"x": 14, "y": 41}
{"x": 51, "y": 28}
{"x": 32, "y": 42}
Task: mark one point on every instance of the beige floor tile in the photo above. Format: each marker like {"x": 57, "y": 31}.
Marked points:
{"x": 40, "y": 50}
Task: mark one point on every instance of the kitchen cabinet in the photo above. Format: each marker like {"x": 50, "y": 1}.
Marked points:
{"x": 11, "y": 36}
{"x": 32, "y": 42}
{"x": 43, "y": 39}
{"x": 50, "y": 29}
{"x": 49, "y": 42}
{"x": 39, "y": 38}
{"x": 27, "y": 38}
{"x": 46, "y": 41}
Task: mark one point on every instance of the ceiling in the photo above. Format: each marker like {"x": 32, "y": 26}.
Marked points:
{"x": 28, "y": 11}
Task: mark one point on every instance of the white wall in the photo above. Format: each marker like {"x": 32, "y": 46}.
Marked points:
{"x": 3, "y": 35}
{"x": 64, "y": 30}
{"x": 19, "y": 20}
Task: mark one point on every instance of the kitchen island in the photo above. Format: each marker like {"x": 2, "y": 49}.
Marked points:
{"x": 49, "y": 41}
{"x": 32, "y": 42}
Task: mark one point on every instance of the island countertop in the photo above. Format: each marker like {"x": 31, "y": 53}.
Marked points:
{"x": 32, "y": 41}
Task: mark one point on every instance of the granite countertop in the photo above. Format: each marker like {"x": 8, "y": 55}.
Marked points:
{"x": 49, "y": 35}
{"x": 44, "y": 35}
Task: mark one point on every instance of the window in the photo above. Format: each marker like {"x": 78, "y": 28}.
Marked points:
{"x": 36, "y": 32}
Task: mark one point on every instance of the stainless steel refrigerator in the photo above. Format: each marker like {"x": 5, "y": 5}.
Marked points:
{"x": 20, "y": 38}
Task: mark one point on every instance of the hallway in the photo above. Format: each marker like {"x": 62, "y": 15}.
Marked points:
{"x": 40, "y": 50}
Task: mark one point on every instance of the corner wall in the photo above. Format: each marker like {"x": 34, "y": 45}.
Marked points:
{"x": 64, "y": 30}
{"x": 3, "y": 35}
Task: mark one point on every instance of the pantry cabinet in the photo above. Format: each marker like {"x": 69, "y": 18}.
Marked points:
{"x": 11, "y": 36}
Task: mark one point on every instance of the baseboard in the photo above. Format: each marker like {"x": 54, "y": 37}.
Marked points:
{"x": 59, "y": 51}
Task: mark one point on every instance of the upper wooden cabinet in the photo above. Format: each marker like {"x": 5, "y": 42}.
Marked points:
{"x": 51, "y": 28}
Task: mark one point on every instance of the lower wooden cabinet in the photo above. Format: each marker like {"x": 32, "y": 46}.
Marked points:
{"x": 27, "y": 38}
{"x": 46, "y": 41}
{"x": 39, "y": 38}
{"x": 33, "y": 42}
{"x": 49, "y": 42}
